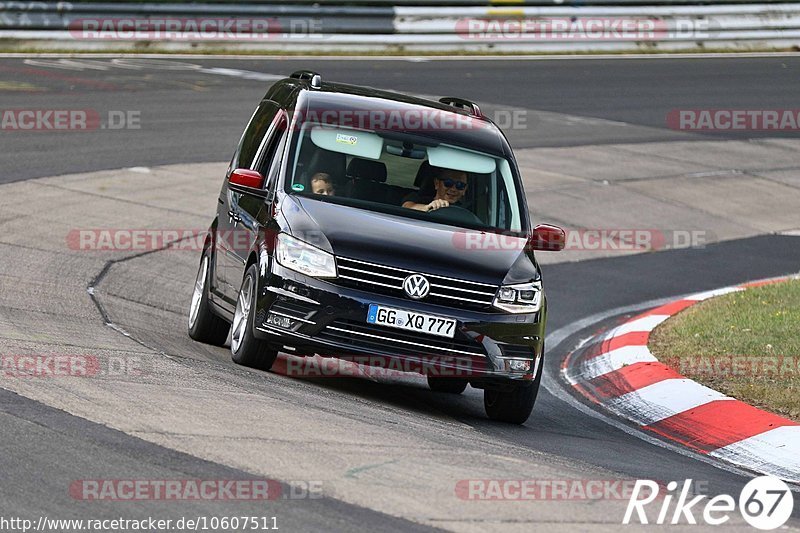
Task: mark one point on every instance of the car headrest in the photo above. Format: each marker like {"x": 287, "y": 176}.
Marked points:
{"x": 332, "y": 163}
{"x": 425, "y": 174}
{"x": 367, "y": 170}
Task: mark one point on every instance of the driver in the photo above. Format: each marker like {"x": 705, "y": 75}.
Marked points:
{"x": 449, "y": 187}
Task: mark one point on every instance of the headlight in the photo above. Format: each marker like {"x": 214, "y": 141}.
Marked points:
{"x": 522, "y": 298}
{"x": 300, "y": 256}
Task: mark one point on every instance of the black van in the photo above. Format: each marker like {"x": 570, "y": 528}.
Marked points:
{"x": 356, "y": 222}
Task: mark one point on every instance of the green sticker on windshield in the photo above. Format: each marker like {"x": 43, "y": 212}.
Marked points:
{"x": 299, "y": 187}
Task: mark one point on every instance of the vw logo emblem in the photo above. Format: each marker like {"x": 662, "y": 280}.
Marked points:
{"x": 416, "y": 286}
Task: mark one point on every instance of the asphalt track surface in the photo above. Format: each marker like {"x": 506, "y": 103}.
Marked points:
{"x": 194, "y": 117}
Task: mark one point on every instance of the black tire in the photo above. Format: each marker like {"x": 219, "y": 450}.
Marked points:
{"x": 246, "y": 350}
{"x": 513, "y": 405}
{"x": 448, "y": 385}
{"x": 204, "y": 325}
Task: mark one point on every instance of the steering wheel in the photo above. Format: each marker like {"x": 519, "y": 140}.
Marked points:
{"x": 455, "y": 213}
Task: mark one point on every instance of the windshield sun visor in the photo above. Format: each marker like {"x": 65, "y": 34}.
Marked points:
{"x": 464, "y": 160}
{"x": 357, "y": 143}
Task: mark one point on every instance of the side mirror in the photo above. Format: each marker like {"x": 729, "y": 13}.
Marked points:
{"x": 247, "y": 178}
{"x": 547, "y": 238}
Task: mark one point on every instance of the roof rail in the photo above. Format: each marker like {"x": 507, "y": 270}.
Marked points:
{"x": 461, "y": 103}
{"x": 308, "y": 75}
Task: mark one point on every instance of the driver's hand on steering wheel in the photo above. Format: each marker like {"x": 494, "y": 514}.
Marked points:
{"x": 437, "y": 204}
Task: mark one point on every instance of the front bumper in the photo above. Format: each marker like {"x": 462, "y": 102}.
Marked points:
{"x": 307, "y": 316}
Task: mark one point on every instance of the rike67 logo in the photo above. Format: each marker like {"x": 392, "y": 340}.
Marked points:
{"x": 765, "y": 503}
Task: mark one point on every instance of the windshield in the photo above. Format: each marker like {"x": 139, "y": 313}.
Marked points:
{"x": 406, "y": 175}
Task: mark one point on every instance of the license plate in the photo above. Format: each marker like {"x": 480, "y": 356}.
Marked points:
{"x": 411, "y": 321}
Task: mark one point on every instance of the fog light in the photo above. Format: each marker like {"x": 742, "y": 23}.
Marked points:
{"x": 518, "y": 365}
{"x": 297, "y": 289}
{"x": 280, "y": 321}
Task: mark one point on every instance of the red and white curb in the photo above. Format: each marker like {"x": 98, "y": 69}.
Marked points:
{"x": 617, "y": 371}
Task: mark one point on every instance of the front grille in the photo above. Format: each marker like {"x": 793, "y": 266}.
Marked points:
{"x": 390, "y": 341}
{"x": 388, "y": 280}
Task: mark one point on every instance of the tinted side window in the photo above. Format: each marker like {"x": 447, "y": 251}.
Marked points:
{"x": 267, "y": 157}
{"x": 272, "y": 175}
{"x": 254, "y": 134}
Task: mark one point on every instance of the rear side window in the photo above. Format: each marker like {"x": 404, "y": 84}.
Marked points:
{"x": 254, "y": 134}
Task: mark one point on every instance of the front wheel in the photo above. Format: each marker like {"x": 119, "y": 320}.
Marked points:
{"x": 245, "y": 348}
{"x": 513, "y": 405}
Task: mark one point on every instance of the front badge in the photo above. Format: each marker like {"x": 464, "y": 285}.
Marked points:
{"x": 416, "y": 286}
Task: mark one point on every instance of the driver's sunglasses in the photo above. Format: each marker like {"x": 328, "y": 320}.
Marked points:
{"x": 460, "y": 185}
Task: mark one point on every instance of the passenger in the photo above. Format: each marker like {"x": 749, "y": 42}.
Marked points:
{"x": 322, "y": 183}
{"x": 449, "y": 188}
